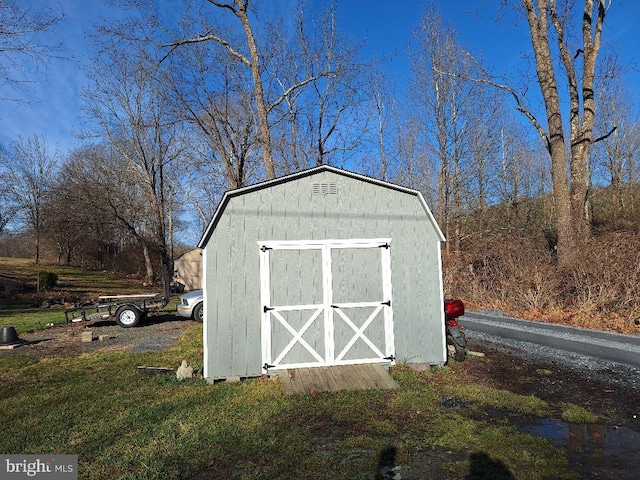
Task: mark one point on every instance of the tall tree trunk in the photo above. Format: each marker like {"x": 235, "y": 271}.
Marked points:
{"x": 562, "y": 201}
{"x": 582, "y": 131}
{"x": 37, "y": 240}
{"x": 570, "y": 195}
{"x": 538, "y": 26}
{"x": 148, "y": 264}
{"x": 256, "y": 73}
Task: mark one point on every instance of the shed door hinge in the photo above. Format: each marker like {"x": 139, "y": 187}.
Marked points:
{"x": 266, "y": 309}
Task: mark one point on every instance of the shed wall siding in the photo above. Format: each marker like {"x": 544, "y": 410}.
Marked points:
{"x": 289, "y": 211}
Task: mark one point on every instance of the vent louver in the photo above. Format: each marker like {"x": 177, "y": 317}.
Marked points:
{"x": 324, "y": 189}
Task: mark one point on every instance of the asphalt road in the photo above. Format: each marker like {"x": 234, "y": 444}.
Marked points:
{"x": 555, "y": 339}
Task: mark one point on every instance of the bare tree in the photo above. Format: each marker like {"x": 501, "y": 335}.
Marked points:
{"x": 569, "y": 132}
{"x": 199, "y": 30}
{"x": 66, "y": 219}
{"x": 23, "y": 40}
{"x": 95, "y": 219}
{"x": 383, "y": 106}
{"x": 334, "y": 97}
{"x": 196, "y": 28}
{"x": 239, "y": 9}
{"x": 448, "y": 104}
{"x": 209, "y": 92}
{"x": 132, "y": 112}
{"x": 29, "y": 169}
{"x": 550, "y": 27}
{"x": 617, "y": 154}
{"x": 210, "y": 95}
{"x": 9, "y": 208}
{"x": 396, "y": 134}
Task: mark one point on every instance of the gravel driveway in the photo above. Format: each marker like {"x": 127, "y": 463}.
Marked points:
{"x": 553, "y": 338}
{"x": 157, "y": 332}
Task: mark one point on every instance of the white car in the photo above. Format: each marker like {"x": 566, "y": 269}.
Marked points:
{"x": 190, "y": 305}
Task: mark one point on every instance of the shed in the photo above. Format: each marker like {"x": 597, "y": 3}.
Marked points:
{"x": 319, "y": 268}
{"x": 188, "y": 269}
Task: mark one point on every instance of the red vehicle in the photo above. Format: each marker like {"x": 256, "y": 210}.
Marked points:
{"x": 456, "y": 339}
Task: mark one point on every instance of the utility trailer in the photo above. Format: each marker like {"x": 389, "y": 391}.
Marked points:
{"x": 128, "y": 310}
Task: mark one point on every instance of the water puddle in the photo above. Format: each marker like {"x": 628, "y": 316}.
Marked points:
{"x": 601, "y": 440}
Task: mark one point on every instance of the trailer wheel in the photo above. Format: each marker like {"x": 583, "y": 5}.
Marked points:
{"x": 128, "y": 316}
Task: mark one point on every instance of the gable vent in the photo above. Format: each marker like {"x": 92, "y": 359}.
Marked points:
{"x": 324, "y": 189}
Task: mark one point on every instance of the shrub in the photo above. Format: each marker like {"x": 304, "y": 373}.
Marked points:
{"x": 47, "y": 280}
{"x": 605, "y": 280}
{"x": 519, "y": 275}
{"x": 505, "y": 270}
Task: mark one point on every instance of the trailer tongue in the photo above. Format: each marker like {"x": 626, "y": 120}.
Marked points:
{"x": 126, "y": 310}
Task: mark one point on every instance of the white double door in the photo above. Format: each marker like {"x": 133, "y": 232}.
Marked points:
{"x": 326, "y": 302}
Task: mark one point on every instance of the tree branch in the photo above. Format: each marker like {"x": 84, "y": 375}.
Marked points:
{"x": 204, "y": 38}
{"x": 224, "y": 5}
{"x": 605, "y": 136}
{"x": 520, "y": 105}
{"x": 298, "y": 85}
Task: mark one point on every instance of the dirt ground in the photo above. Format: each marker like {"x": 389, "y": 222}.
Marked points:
{"x": 554, "y": 383}
{"x": 609, "y": 449}
{"x": 157, "y": 332}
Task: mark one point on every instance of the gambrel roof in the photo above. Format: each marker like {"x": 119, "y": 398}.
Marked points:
{"x": 305, "y": 173}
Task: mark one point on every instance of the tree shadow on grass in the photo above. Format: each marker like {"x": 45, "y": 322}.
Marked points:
{"x": 483, "y": 467}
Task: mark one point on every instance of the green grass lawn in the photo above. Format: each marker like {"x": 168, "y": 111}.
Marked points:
{"x": 125, "y": 425}
{"x": 76, "y": 284}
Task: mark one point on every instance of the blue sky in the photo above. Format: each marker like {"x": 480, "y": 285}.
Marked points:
{"x": 53, "y": 108}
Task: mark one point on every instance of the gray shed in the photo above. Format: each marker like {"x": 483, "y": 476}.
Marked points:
{"x": 322, "y": 267}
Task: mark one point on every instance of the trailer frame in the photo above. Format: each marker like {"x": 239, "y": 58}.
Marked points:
{"x": 127, "y": 310}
